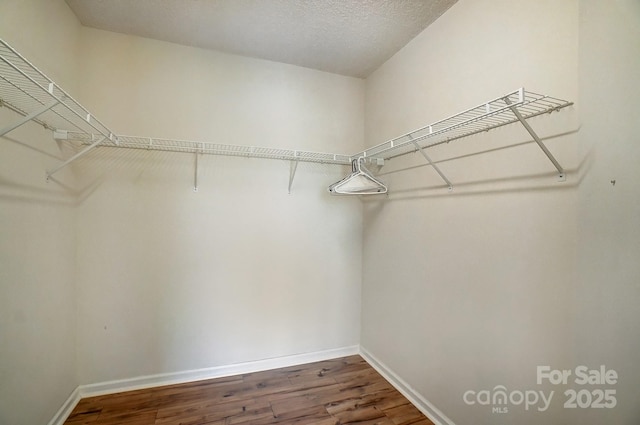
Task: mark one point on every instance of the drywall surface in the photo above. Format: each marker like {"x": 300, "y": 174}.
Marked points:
{"x": 171, "y": 279}
{"x": 472, "y": 290}
{"x": 607, "y": 299}
{"x": 37, "y": 232}
{"x": 46, "y": 33}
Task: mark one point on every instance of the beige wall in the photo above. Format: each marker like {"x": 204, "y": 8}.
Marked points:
{"x": 172, "y": 280}
{"x": 471, "y": 289}
{"x": 474, "y": 289}
{"x": 37, "y": 232}
{"x": 607, "y": 298}
{"x": 163, "y": 279}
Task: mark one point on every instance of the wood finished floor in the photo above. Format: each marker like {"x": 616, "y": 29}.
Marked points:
{"x": 332, "y": 392}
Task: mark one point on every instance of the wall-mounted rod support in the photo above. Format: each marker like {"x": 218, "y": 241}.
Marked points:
{"x": 537, "y": 139}
{"x": 76, "y": 156}
{"x": 293, "y": 166}
{"x": 195, "y": 175}
{"x": 28, "y": 118}
{"x": 435, "y": 167}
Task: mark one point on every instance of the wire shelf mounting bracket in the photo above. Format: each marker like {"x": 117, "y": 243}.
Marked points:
{"x": 197, "y": 154}
{"x": 74, "y": 157}
{"x": 561, "y": 173}
{"x": 433, "y": 165}
{"x": 195, "y": 174}
{"x": 293, "y": 166}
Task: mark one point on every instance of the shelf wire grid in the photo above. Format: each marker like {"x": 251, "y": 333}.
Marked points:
{"x": 134, "y": 142}
{"x": 484, "y": 117}
{"x": 208, "y": 148}
{"x": 25, "y": 90}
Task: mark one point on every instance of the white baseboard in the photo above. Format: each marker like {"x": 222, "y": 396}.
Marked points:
{"x": 149, "y": 381}
{"x": 67, "y": 407}
{"x": 430, "y": 411}
{"x": 140, "y": 382}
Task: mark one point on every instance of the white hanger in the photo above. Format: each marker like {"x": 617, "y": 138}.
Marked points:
{"x": 359, "y": 182}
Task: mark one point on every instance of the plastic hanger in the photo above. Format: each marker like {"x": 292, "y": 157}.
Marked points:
{"x": 359, "y": 182}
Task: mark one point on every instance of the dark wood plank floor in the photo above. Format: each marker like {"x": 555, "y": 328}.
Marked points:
{"x": 332, "y": 392}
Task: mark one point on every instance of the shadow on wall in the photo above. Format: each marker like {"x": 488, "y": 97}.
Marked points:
{"x": 29, "y": 185}
{"x": 55, "y": 191}
{"x": 103, "y": 163}
{"x": 28, "y": 146}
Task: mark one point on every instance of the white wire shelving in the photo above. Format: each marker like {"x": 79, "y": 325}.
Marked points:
{"x": 484, "y": 117}
{"x": 513, "y": 107}
{"x": 208, "y": 148}
{"x": 30, "y": 93}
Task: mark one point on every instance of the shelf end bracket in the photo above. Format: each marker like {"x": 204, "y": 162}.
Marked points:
{"x": 435, "y": 167}
{"x": 561, "y": 173}
{"x": 292, "y": 172}
{"x": 74, "y": 157}
{"x": 195, "y": 175}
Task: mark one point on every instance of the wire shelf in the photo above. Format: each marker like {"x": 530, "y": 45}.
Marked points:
{"x": 208, "y": 148}
{"x": 29, "y": 92}
{"x": 26, "y": 90}
{"x": 484, "y": 117}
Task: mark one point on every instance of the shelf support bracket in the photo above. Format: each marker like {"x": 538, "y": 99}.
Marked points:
{"x": 292, "y": 173}
{"x": 562, "y": 176}
{"x": 293, "y": 166}
{"x": 74, "y": 157}
{"x": 195, "y": 175}
{"x": 435, "y": 167}
{"x": 28, "y": 118}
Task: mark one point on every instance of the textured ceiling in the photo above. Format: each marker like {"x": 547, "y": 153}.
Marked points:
{"x": 348, "y": 37}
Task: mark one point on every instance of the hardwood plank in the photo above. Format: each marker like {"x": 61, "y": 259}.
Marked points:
{"x": 203, "y": 407}
{"x": 332, "y": 392}
{"x": 84, "y": 418}
{"x": 209, "y": 411}
{"x": 251, "y": 415}
{"x": 385, "y": 399}
{"x": 302, "y": 416}
{"x": 305, "y": 389}
{"x": 130, "y": 418}
{"x": 285, "y": 405}
{"x": 367, "y": 414}
{"x": 404, "y": 415}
